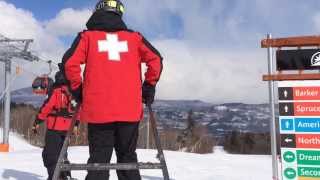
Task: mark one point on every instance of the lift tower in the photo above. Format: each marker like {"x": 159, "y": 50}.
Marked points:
{"x": 9, "y": 49}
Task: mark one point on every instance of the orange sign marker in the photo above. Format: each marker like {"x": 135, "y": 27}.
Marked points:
{"x": 4, "y": 147}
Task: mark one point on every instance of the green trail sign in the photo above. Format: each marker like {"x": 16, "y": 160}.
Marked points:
{"x": 308, "y": 157}
{"x": 299, "y": 125}
{"x": 309, "y": 172}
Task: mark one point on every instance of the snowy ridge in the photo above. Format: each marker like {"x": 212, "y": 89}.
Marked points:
{"x": 24, "y": 163}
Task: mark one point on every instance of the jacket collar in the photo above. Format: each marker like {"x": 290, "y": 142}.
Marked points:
{"x": 106, "y": 21}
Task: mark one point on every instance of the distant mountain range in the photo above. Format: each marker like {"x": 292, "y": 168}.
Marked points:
{"x": 219, "y": 118}
{"x": 26, "y": 96}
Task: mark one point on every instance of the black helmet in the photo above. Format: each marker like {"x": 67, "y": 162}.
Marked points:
{"x": 60, "y": 78}
{"x": 115, "y": 6}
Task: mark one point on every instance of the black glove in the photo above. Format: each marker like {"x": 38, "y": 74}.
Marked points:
{"x": 77, "y": 94}
{"x": 148, "y": 93}
{"x": 77, "y": 123}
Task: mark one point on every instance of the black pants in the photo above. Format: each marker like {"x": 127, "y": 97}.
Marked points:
{"x": 120, "y": 136}
{"x": 50, "y": 154}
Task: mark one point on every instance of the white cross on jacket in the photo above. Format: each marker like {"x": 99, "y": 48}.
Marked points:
{"x": 113, "y": 46}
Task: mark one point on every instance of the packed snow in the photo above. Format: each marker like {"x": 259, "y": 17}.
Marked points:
{"x": 24, "y": 162}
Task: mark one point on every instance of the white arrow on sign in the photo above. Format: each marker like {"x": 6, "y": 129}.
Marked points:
{"x": 289, "y": 156}
{"x": 285, "y": 93}
{"x": 290, "y": 173}
{"x": 287, "y": 125}
{"x": 287, "y": 140}
{"x": 286, "y": 108}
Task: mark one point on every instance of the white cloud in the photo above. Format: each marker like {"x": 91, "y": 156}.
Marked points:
{"x": 217, "y": 57}
{"x": 225, "y": 23}
{"x": 20, "y": 23}
{"x": 203, "y": 65}
{"x": 316, "y": 20}
{"x": 224, "y": 76}
{"x": 68, "y": 22}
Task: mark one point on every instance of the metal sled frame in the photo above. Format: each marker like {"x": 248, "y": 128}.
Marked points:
{"x": 113, "y": 166}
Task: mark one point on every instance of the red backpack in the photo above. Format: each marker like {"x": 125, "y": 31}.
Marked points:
{"x": 63, "y": 108}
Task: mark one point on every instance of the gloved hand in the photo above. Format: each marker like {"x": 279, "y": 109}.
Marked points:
{"x": 74, "y": 105}
{"x": 148, "y": 93}
{"x": 36, "y": 126}
{"x": 77, "y": 94}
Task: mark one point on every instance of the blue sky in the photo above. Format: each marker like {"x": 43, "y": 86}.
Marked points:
{"x": 211, "y": 47}
{"x": 44, "y": 9}
{"x": 283, "y": 18}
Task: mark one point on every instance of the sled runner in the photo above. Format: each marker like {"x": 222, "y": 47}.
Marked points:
{"x": 113, "y": 166}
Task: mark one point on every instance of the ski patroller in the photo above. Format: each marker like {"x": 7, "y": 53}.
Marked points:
{"x": 113, "y": 166}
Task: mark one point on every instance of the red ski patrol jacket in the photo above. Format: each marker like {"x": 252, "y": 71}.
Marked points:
{"x": 56, "y": 111}
{"x": 111, "y": 88}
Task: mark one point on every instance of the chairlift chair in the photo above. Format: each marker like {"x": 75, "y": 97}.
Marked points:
{"x": 42, "y": 85}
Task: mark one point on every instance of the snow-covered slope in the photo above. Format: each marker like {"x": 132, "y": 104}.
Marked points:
{"x": 24, "y": 163}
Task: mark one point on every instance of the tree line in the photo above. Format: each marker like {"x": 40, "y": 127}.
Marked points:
{"x": 194, "y": 138}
